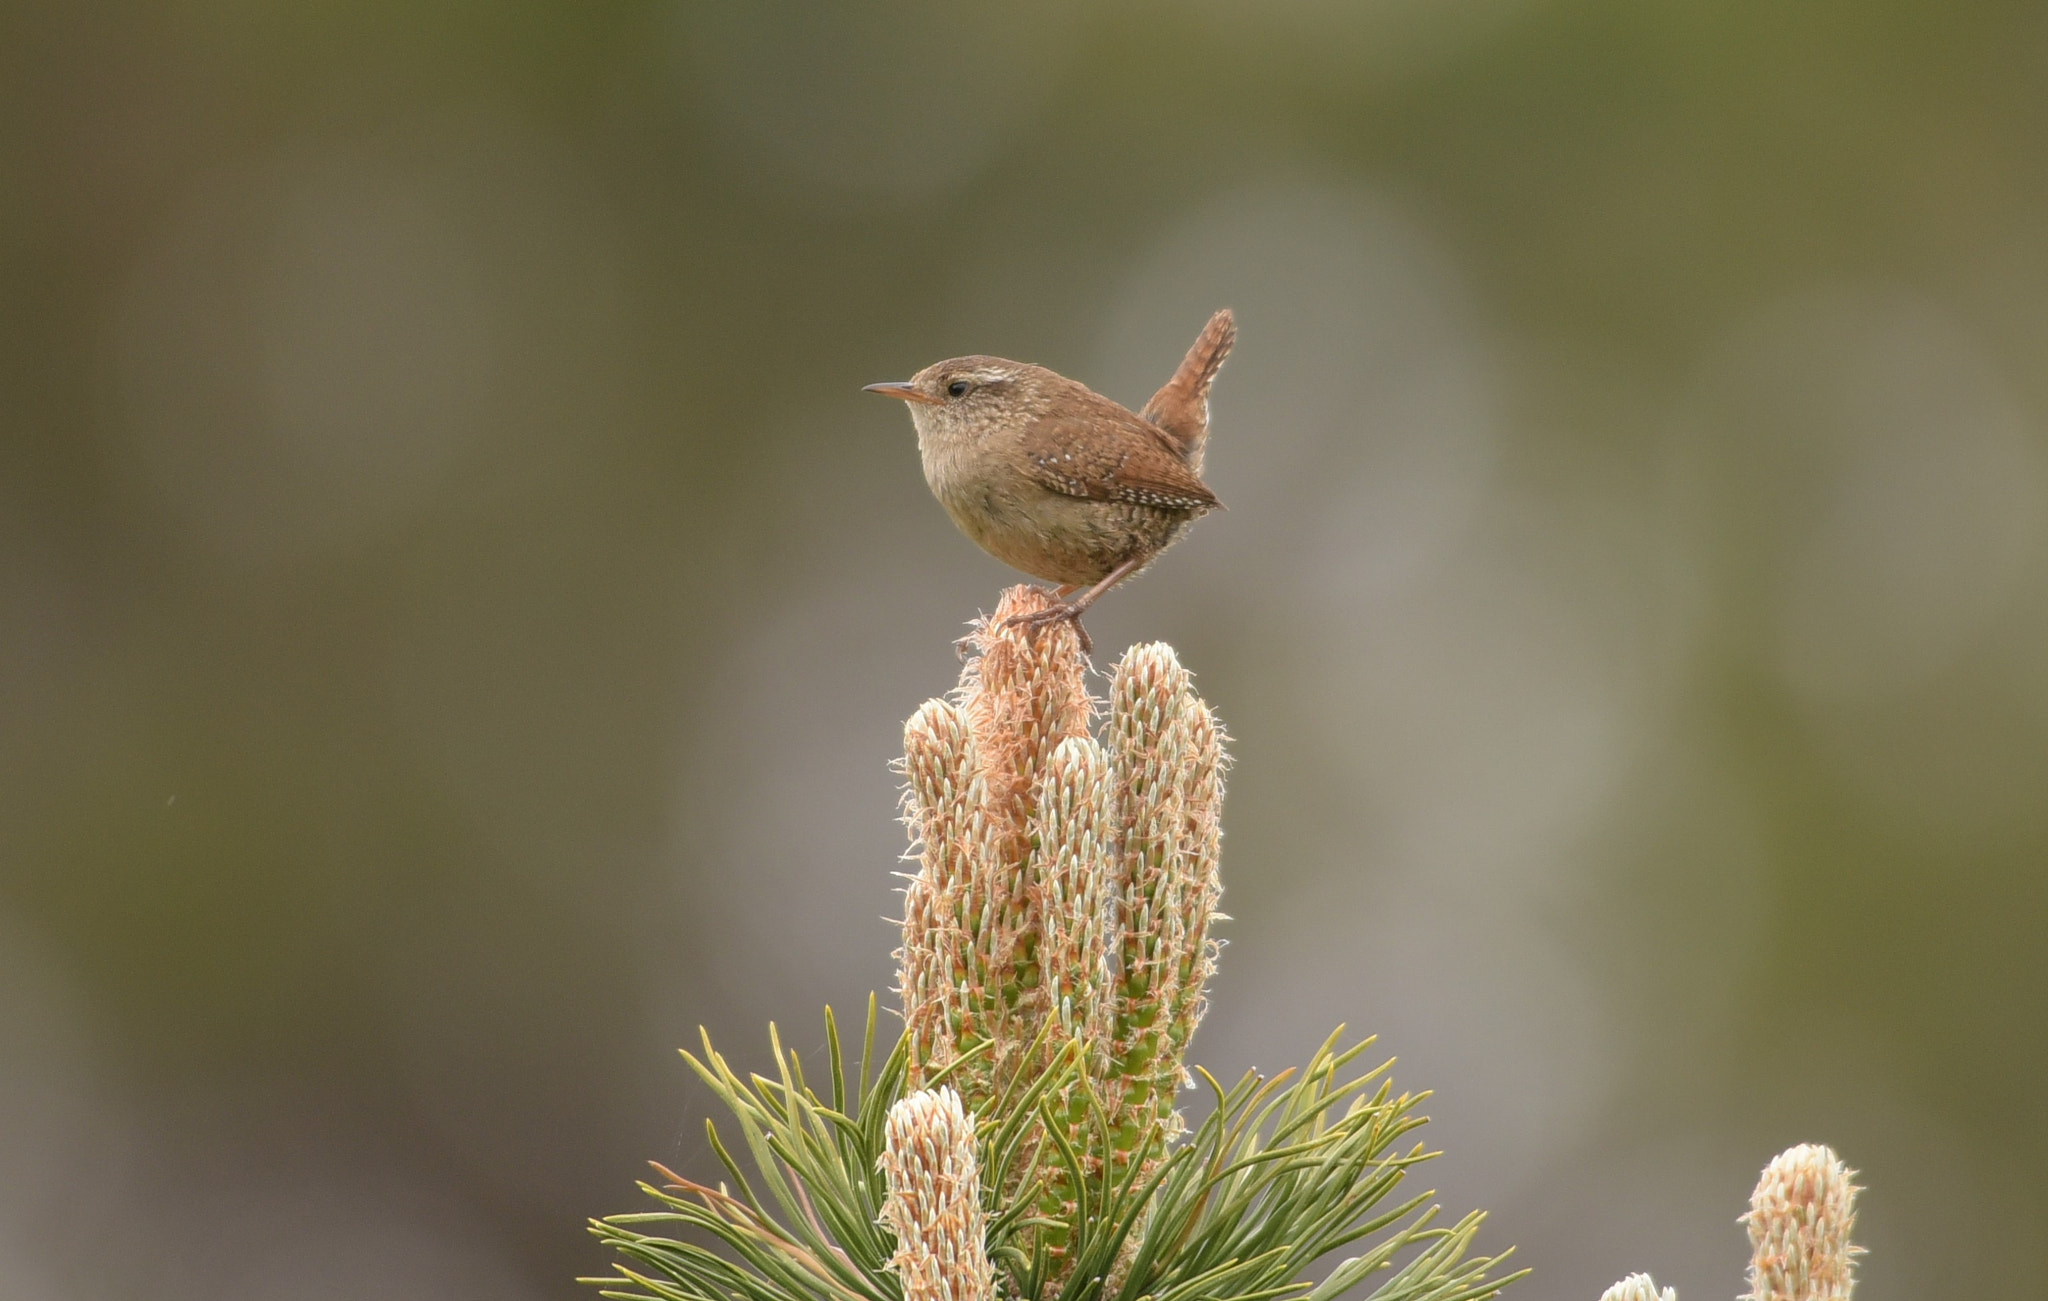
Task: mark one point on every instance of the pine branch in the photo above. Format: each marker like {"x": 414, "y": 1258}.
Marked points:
{"x": 1024, "y": 1137}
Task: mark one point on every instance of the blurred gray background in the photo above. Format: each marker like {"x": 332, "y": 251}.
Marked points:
{"x": 457, "y": 609}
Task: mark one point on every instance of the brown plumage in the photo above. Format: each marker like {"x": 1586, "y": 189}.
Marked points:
{"x": 1181, "y": 407}
{"x": 1053, "y": 478}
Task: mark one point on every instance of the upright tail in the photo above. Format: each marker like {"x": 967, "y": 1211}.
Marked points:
{"x": 1182, "y": 407}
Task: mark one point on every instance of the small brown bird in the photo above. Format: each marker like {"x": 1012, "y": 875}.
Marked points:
{"x": 1053, "y": 478}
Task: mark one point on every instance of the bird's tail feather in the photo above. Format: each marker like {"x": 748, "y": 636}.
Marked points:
{"x": 1181, "y": 407}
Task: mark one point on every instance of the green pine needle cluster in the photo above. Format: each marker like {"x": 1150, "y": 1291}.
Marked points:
{"x": 1283, "y": 1172}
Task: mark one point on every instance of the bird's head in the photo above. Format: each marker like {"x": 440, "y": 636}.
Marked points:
{"x": 967, "y": 397}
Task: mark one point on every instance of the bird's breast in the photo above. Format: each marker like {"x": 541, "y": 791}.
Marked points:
{"x": 1047, "y": 534}
{"x": 1010, "y": 516}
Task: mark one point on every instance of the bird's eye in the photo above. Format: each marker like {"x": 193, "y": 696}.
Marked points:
{"x": 958, "y": 388}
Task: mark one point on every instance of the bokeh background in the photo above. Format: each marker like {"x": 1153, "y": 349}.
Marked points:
{"x": 457, "y": 609}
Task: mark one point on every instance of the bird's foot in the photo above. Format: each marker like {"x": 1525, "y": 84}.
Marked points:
{"x": 1060, "y": 612}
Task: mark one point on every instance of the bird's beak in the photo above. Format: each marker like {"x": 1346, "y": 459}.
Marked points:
{"x": 899, "y": 389}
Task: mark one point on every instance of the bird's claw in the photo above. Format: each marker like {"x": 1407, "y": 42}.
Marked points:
{"x": 1061, "y": 612}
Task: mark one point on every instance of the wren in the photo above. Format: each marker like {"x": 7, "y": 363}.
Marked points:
{"x": 1052, "y": 478}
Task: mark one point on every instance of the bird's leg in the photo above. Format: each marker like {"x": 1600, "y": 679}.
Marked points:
{"x": 1070, "y": 611}
{"x": 1079, "y": 605}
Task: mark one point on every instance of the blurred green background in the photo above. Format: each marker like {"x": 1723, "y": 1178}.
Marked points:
{"x": 457, "y": 608}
